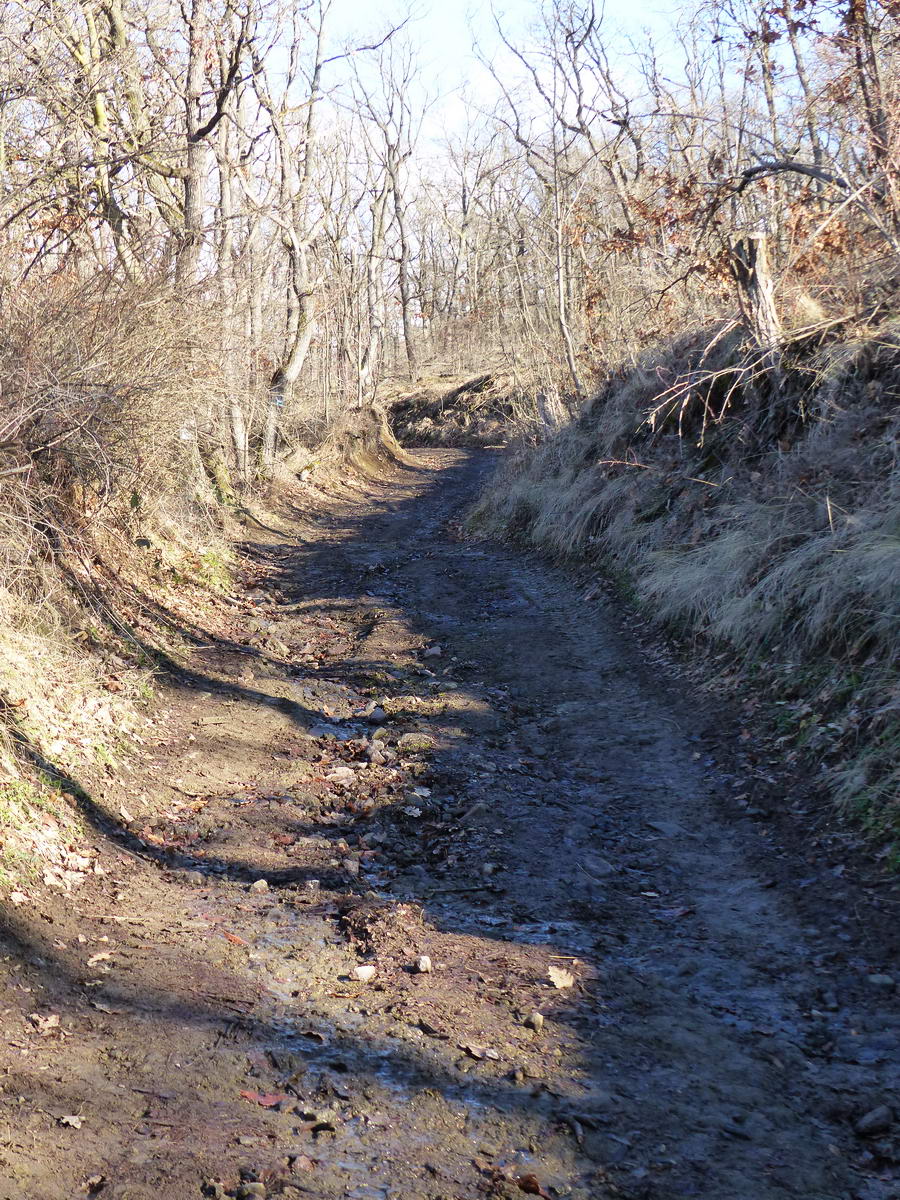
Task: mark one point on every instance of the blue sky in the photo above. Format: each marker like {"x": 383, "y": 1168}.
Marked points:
{"x": 447, "y": 28}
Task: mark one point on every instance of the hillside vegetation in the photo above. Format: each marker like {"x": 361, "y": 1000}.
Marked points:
{"x": 755, "y": 519}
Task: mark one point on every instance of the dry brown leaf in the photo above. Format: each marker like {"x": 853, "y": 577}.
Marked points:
{"x": 265, "y": 1099}
{"x": 44, "y": 1024}
{"x": 531, "y": 1185}
{"x": 560, "y": 977}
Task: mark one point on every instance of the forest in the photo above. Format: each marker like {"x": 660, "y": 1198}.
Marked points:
{"x": 428, "y": 438}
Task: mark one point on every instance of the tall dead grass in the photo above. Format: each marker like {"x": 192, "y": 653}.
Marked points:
{"x": 752, "y": 513}
{"x": 107, "y": 398}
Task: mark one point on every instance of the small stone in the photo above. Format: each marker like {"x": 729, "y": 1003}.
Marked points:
{"x": 312, "y": 886}
{"x": 535, "y": 1021}
{"x": 249, "y": 1191}
{"x": 415, "y": 741}
{"x": 351, "y": 866}
{"x": 364, "y": 973}
{"x": 423, "y": 964}
{"x": 341, "y": 775}
{"x": 883, "y": 981}
{"x": 261, "y": 885}
{"x": 879, "y": 1120}
{"x": 377, "y": 715}
{"x": 195, "y": 878}
{"x": 433, "y": 652}
{"x": 488, "y": 869}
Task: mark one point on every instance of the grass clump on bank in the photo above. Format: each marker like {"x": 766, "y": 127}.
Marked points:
{"x": 753, "y": 509}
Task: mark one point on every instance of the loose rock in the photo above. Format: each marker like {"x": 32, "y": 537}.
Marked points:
{"x": 879, "y": 1120}
{"x": 423, "y": 964}
{"x": 886, "y": 982}
{"x": 415, "y": 741}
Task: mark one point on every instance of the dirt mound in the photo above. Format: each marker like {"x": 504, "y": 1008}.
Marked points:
{"x": 377, "y": 926}
{"x": 441, "y": 412}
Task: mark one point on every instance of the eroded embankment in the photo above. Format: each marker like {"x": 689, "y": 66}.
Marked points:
{"x": 754, "y": 513}
{"x": 458, "y": 410}
{"x": 393, "y": 743}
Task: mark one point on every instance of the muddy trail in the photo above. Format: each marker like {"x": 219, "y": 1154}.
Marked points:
{"x": 414, "y": 752}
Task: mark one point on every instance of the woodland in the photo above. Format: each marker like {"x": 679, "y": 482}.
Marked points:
{"x": 265, "y": 281}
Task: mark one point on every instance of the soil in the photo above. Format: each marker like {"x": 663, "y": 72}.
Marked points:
{"x": 401, "y": 742}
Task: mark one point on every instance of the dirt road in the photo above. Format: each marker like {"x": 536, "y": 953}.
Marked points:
{"x": 407, "y": 743}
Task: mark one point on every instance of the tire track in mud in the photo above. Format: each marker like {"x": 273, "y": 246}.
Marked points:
{"x": 436, "y": 748}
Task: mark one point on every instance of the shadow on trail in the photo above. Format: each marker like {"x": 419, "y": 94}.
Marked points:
{"x": 335, "y": 572}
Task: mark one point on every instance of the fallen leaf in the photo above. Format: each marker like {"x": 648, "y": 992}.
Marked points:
{"x": 72, "y": 1121}
{"x": 675, "y": 914}
{"x": 105, "y": 1008}
{"x": 560, "y": 977}
{"x": 531, "y": 1185}
{"x": 479, "y": 1052}
{"x": 103, "y": 956}
{"x": 43, "y": 1024}
{"x": 265, "y": 1099}
{"x": 234, "y": 939}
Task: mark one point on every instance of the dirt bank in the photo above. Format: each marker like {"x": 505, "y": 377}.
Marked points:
{"x": 398, "y": 744}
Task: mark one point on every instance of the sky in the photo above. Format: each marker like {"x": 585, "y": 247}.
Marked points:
{"x": 448, "y": 28}
{"x": 446, "y": 31}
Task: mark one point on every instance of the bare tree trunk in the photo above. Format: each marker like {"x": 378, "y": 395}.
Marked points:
{"x": 756, "y": 290}
{"x": 187, "y": 263}
{"x": 405, "y": 295}
{"x": 562, "y": 307}
{"x": 375, "y": 302}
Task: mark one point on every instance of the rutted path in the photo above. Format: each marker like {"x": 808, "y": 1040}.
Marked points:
{"x": 431, "y": 746}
